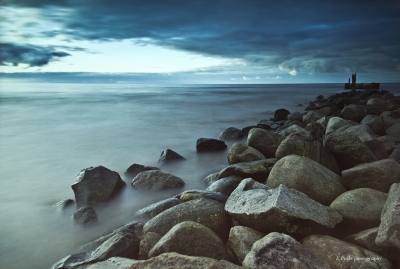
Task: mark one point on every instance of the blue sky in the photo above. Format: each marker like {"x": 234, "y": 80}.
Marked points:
{"x": 192, "y": 41}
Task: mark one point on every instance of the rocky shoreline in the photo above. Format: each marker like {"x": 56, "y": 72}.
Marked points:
{"x": 318, "y": 188}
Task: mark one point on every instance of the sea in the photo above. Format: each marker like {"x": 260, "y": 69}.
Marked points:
{"x": 51, "y": 130}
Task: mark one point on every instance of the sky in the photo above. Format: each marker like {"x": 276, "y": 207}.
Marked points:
{"x": 226, "y": 41}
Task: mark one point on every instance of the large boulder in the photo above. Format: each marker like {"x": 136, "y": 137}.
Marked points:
{"x": 210, "y": 144}
{"x": 394, "y": 130}
{"x": 295, "y": 116}
{"x": 264, "y": 141}
{"x": 113, "y": 263}
{"x": 296, "y": 144}
{"x": 396, "y": 154}
{"x": 376, "y": 102}
{"x": 362, "y": 131}
{"x": 63, "y": 205}
{"x": 194, "y": 194}
{"x": 312, "y": 116}
{"x": 361, "y": 209}
{"x": 343, "y": 255}
{"x": 389, "y": 142}
{"x": 348, "y": 150}
{"x": 279, "y": 210}
{"x": 295, "y": 129}
{"x": 277, "y": 250}
{"x": 239, "y": 153}
{"x": 204, "y": 211}
{"x": 241, "y": 239}
{"x": 379, "y": 175}
{"x": 192, "y": 239}
{"x": 225, "y": 185}
{"x": 96, "y": 185}
{"x": 211, "y": 178}
{"x": 169, "y": 156}
{"x": 154, "y": 209}
{"x": 336, "y": 123}
{"x": 388, "y": 121}
{"x": 366, "y": 239}
{"x": 307, "y": 176}
{"x": 377, "y": 148}
{"x": 231, "y": 133}
{"x": 374, "y": 122}
{"x": 281, "y": 114}
{"x": 353, "y": 112}
{"x": 156, "y": 180}
{"x": 148, "y": 241}
{"x": 85, "y": 216}
{"x": 257, "y": 170}
{"x": 135, "y": 169}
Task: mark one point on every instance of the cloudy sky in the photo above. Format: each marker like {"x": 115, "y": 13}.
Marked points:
{"x": 228, "y": 41}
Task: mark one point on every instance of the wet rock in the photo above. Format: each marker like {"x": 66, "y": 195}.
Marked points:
{"x": 241, "y": 153}
{"x": 96, "y": 185}
{"x": 361, "y": 208}
{"x": 353, "y": 112}
{"x": 396, "y": 154}
{"x": 281, "y": 114}
{"x": 231, "y": 133}
{"x": 277, "y": 250}
{"x": 211, "y": 178}
{"x": 209, "y": 145}
{"x": 63, "y": 205}
{"x": 376, "y": 102}
{"x": 169, "y": 156}
{"x": 204, "y": 211}
{"x": 342, "y": 255}
{"x": 264, "y": 141}
{"x": 311, "y": 116}
{"x": 390, "y": 142}
{"x": 257, "y": 170}
{"x": 74, "y": 261}
{"x": 336, "y": 123}
{"x": 85, "y": 216}
{"x": 154, "y": 209}
{"x": 295, "y": 116}
{"x": 379, "y": 175}
{"x": 225, "y": 185}
{"x": 156, "y": 180}
{"x": 199, "y": 194}
{"x": 348, "y": 150}
{"x": 148, "y": 241}
{"x": 307, "y": 176}
{"x": 191, "y": 239}
{"x": 282, "y": 210}
{"x": 117, "y": 245}
{"x": 364, "y": 132}
{"x": 241, "y": 239}
{"x": 377, "y": 148}
{"x": 374, "y": 122}
{"x": 394, "y": 130}
{"x": 295, "y": 129}
{"x": 135, "y": 169}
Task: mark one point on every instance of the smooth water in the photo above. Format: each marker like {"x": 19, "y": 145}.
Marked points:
{"x": 50, "y": 131}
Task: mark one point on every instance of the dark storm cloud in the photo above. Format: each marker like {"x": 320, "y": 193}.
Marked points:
{"x": 27, "y": 54}
{"x": 313, "y": 36}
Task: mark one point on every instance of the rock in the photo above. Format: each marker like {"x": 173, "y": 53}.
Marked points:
{"x": 376, "y": 102}
{"x": 342, "y": 255}
{"x": 282, "y": 210}
{"x": 241, "y": 153}
{"x": 366, "y": 239}
{"x": 377, "y": 148}
{"x": 336, "y": 123}
{"x": 85, "y": 216}
{"x": 113, "y": 263}
{"x": 388, "y": 236}
{"x": 378, "y": 175}
{"x": 388, "y": 121}
{"x": 231, "y": 133}
{"x": 329, "y": 111}
{"x": 204, "y": 211}
{"x": 308, "y": 177}
{"x": 169, "y": 156}
{"x": 295, "y": 144}
{"x": 295, "y": 129}
{"x": 257, "y": 170}
{"x": 348, "y": 150}
{"x": 199, "y": 194}
{"x": 277, "y": 250}
{"x": 191, "y": 239}
{"x": 179, "y": 261}
{"x": 394, "y": 130}
{"x": 353, "y": 112}
{"x": 241, "y": 239}
{"x": 390, "y": 142}
{"x": 364, "y": 132}
{"x": 374, "y": 122}
{"x": 154, "y": 209}
{"x": 264, "y": 141}
{"x": 117, "y": 245}
{"x": 73, "y": 261}
{"x": 96, "y": 185}
{"x": 281, "y": 114}
{"x": 210, "y": 144}
{"x": 295, "y": 116}
{"x": 210, "y": 179}
{"x": 396, "y": 154}
{"x": 135, "y": 169}
{"x": 394, "y": 101}
{"x": 311, "y": 116}
{"x": 395, "y": 114}
{"x": 247, "y": 129}
{"x": 324, "y": 121}
{"x": 156, "y": 180}
{"x": 375, "y": 110}
{"x": 225, "y": 185}
{"x": 148, "y": 241}
{"x": 387, "y": 96}
{"x": 63, "y": 205}
{"x": 343, "y": 101}
{"x": 361, "y": 208}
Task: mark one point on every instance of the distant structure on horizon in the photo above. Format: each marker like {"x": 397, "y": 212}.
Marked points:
{"x": 360, "y": 86}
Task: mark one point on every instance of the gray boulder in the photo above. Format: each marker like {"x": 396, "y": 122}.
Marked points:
{"x": 148, "y": 241}
{"x": 156, "y": 180}
{"x": 361, "y": 208}
{"x": 348, "y": 150}
{"x": 277, "y": 250}
{"x": 312, "y": 116}
{"x": 241, "y": 239}
{"x": 282, "y": 210}
{"x": 201, "y": 194}
{"x": 96, "y": 185}
{"x": 363, "y": 132}
{"x": 281, "y": 114}
{"x": 225, "y": 185}
{"x": 85, "y": 216}
{"x": 154, "y": 209}
{"x": 336, "y": 123}
{"x": 295, "y": 129}
{"x": 388, "y": 121}
{"x": 257, "y": 170}
{"x": 377, "y": 148}
{"x": 113, "y": 263}
{"x": 169, "y": 156}
{"x": 191, "y": 239}
{"x": 390, "y": 142}
{"x": 366, "y": 239}
{"x": 239, "y": 153}
{"x": 63, "y": 205}
{"x": 307, "y": 176}
{"x": 394, "y": 130}
{"x": 396, "y": 154}
{"x": 342, "y": 255}
{"x": 231, "y": 133}
{"x": 376, "y": 102}
{"x": 204, "y": 211}
{"x": 379, "y": 175}
{"x": 210, "y": 145}
{"x": 353, "y": 112}
{"x": 264, "y": 141}
{"x": 211, "y": 178}
{"x": 374, "y": 122}
{"x": 135, "y": 169}
{"x": 295, "y": 116}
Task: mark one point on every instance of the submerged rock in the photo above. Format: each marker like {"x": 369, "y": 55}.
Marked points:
{"x": 169, "y": 156}
{"x": 281, "y": 114}
{"x": 209, "y": 145}
{"x": 85, "y": 216}
{"x": 231, "y": 133}
{"x": 63, "y": 205}
{"x": 156, "y": 180}
{"x": 135, "y": 169}
{"x": 154, "y": 209}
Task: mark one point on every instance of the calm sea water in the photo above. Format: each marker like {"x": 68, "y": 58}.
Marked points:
{"x": 50, "y": 131}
